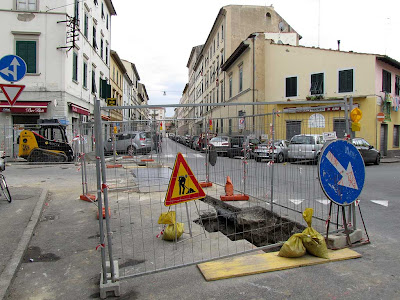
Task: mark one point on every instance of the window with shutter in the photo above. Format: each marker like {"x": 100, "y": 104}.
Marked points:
{"x": 317, "y": 84}
{"x": 27, "y": 5}
{"x": 346, "y": 81}
{"x": 75, "y": 66}
{"x": 386, "y": 81}
{"x": 85, "y": 73}
{"x": 27, "y": 51}
{"x": 291, "y": 86}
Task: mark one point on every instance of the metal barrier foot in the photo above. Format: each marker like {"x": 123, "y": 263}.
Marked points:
{"x": 110, "y": 286}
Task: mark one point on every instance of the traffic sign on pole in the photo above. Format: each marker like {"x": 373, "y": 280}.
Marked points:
{"x": 380, "y": 116}
{"x": 12, "y": 68}
{"x": 12, "y": 92}
{"x": 341, "y": 172}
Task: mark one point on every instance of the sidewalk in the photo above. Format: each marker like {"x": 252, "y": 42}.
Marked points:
{"x": 18, "y": 220}
{"x": 390, "y": 159}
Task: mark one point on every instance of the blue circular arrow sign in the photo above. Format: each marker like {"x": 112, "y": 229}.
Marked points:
{"x": 341, "y": 172}
{"x": 12, "y": 68}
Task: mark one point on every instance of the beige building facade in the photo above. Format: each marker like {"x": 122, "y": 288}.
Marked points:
{"x": 117, "y": 71}
{"x": 289, "y": 74}
{"x": 233, "y": 24}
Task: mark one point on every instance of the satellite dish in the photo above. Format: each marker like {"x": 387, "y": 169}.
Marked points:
{"x": 281, "y": 26}
{"x": 280, "y": 42}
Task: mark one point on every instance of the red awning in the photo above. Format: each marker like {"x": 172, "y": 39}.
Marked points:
{"x": 28, "y": 107}
{"x": 79, "y": 109}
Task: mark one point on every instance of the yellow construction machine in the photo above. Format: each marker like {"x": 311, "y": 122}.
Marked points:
{"x": 45, "y": 142}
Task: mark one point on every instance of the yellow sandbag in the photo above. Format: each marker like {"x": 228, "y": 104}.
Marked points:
{"x": 293, "y": 247}
{"x": 170, "y": 233}
{"x": 167, "y": 218}
{"x": 312, "y": 239}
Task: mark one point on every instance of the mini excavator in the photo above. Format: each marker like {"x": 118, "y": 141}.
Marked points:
{"x": 45, "y": 142}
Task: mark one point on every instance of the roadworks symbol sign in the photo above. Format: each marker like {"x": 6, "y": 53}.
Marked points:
{"x": 183, "y": 186}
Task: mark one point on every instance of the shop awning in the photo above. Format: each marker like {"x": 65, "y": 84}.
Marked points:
{"x": 79, "y": 109}
{"x": 105, "y": 118}
{"x": 27, "y": 107}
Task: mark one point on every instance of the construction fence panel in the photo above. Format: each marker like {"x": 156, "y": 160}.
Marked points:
{"x": 257, "y": 183}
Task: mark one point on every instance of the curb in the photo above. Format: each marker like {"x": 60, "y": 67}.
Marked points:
{"x": 13, "y": 265}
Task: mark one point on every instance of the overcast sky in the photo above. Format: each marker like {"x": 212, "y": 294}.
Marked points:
{"x": 158, "y": 35}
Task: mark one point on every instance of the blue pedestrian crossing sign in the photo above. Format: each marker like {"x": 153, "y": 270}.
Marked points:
{"x": 341, "y": 172}
{"x": 12, "y": 68}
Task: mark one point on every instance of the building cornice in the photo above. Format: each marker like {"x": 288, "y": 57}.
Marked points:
{"x": 118, "y": 61}
{"x": 110, "y": 7}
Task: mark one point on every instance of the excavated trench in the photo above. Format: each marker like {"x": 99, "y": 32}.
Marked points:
{"x": 255, "y": 224}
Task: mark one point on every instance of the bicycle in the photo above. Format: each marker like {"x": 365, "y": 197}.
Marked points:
{"x": 3, "y": 182}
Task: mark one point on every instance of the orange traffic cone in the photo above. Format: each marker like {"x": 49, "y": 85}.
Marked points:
{"x": 229, "y": 195}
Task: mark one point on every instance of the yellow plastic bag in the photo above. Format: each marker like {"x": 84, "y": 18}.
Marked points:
{"x": 312, "y": 239}
{"x": 167, "y": 218}
{"x": 293, "y": 247}
{"x": 170, "y": 233}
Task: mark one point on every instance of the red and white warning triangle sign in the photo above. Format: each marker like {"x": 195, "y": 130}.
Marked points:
{"x": 183, "y": 186}
{"x": 12, "y": 92}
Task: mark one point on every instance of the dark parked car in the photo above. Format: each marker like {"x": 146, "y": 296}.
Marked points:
{"x": 203, "y": 139}
{"x": 236, "y": 145}
{"x": 368, "y": 152}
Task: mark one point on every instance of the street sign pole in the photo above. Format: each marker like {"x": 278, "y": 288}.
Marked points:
{"x": 341, "y": 173}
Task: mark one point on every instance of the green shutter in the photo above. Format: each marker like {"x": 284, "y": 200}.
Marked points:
{"x": 75, "y": 67}
{"x": 27, "y": 51}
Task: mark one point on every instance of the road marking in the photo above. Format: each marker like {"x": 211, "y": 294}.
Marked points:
{"x": 381, "y": 202}
{"x": 348, "y": 178}
{"x": 324, "y": 202}
{"x": 296, "y": 201}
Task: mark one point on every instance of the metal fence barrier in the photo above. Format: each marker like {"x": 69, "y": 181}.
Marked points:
{"x": 128, "y": 170}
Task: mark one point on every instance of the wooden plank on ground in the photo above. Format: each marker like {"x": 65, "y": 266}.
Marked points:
{"x": 266, "y": 262}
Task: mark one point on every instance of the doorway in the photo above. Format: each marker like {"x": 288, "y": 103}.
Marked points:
{"x": 384, "y": 139}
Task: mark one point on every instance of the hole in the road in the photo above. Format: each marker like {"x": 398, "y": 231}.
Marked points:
{"x": 255, "y": 224}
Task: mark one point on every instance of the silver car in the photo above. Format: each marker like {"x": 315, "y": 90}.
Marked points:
{"x": 305, "y": 147}
{"x": 220, "y": 143}
{"x": 132, "y": 142}
{"x": 264, "y": 151}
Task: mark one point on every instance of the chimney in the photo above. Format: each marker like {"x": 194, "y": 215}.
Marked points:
{"x": 338, "y": 45}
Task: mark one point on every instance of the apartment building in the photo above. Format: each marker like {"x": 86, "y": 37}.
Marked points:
{"x": 288, "y": 74}
{"x": 233, "y": 24}
{"x": 132, "y": 95}
{"x": 117, "y": 72}
{"x": 66, "y": 46}
{"x": 144, "y": 115}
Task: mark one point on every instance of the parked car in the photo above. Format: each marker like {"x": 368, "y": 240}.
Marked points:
{"x": 305, "y": 147}
{"x": 195, "y": 144}
{"x": 132, "y": 142}
{"x": 264, "y": 151}
{"x": 186, "y": 139}
{"x": 367, "y": 151}
{"x": 204, "y": 138}
{"x": 191, "y": 140}
{"x": 236, "y": 145}
{"x": 220, "y": 144}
